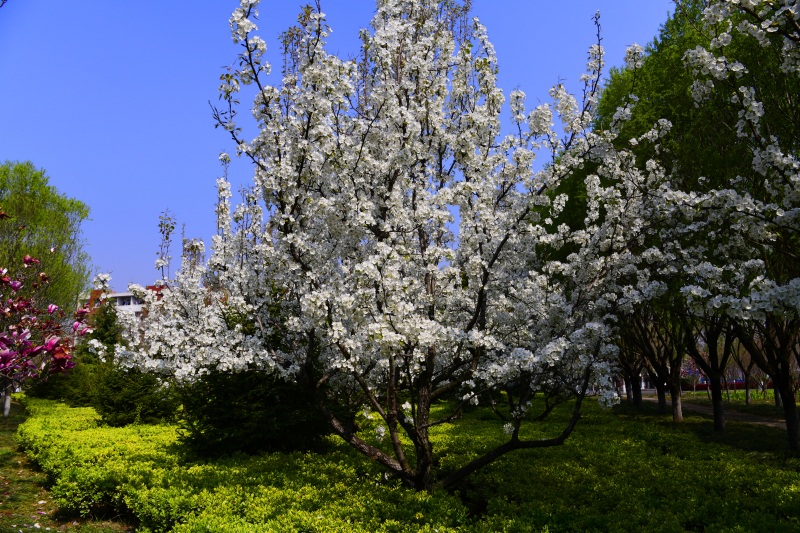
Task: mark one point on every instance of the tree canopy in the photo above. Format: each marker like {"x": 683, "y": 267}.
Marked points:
{"x": 45, "y": 224}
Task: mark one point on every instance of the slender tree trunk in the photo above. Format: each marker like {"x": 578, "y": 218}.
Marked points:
{"x": 7, "y": 400}
{"x": 708, "y": 388}
{"x": 727, "y": 389}
{"x": 716, "y": 403}
{"x": 747, "y": 399}
{"x": 675, "y": 396}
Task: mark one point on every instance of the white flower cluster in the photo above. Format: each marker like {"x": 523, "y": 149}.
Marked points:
{"x": 101, "y": 282}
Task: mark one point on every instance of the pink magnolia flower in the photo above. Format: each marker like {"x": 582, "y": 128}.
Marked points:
{"x": 28, "y": 260}
{"x": 51, "y": 343}
{"x": 15, "y": 285}
{"x": 52, "y": 308}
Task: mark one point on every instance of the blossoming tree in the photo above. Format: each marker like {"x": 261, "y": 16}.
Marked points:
{"x": 395, "y": 249}
{"x": 35, "y": 342}
{"x": 746, "y": 270}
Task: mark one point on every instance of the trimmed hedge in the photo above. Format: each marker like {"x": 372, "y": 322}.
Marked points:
{"x": 618, "y": 472}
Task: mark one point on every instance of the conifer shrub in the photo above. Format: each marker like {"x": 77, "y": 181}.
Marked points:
{"x": 249, "y": 412}
{"x": 129, "y": 396}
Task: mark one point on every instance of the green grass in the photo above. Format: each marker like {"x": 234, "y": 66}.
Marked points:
{"x": 758, "y": 406}
{"x": 23, "y": 486}
{"x": 622, "y": 470}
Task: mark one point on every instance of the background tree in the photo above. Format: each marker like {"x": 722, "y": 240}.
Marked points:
{"x": 728, "y": 88}
{"x": 745, "y": 70}
{"x": 45, "y": 224}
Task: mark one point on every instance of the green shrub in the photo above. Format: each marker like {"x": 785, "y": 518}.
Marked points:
{"x": 621, "y": 471}
{"x": 248, "y": 412}
{"x": 76, "y": 387}
{"x": 129, "y": 396}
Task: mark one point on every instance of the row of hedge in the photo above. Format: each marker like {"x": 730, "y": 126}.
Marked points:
{"x": 618, "y": 472}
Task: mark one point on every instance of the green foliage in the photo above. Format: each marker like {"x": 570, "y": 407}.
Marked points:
{"x": 76, "y": 387}
{"x": 702, "y": 145}
{"x": 248, "y": 412}
{"x": 42, "y": 219}
{"x": 621, "y": 471}
{"x": 129, "y": 396}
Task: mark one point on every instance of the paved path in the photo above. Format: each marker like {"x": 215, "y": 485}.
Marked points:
{"x": 729, "y": 415}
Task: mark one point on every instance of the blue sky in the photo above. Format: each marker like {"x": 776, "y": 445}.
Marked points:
{"x": 112, "y": 98}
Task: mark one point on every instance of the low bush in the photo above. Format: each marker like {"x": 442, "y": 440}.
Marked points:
{"x": 620, "y": 471}
{"x": 248, "y": 412}
{"x": 129, "y": 396}
{"x": 76, "y": 386}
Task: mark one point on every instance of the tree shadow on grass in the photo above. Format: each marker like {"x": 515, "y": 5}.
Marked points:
{"x": 762, "y": 443}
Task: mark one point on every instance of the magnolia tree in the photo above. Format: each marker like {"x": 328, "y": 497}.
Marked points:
{"x": 395, "y": 250}
{"x": 35, "y": 341}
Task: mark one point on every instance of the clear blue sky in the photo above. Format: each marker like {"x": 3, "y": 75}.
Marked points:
{"x": 112, "y": 98}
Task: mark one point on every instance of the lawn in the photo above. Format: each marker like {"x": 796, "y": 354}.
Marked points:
{"x": 622, "y": 470}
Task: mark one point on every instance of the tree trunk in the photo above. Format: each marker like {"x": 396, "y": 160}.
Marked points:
{"x": 662, "y": 397}
{"x": 784, "y": 389}
{"x": 727, "y": 388}
{"x": 747, "y": 399}
{"x": 708, "y": 388}
{"x": 7, "y": 400}
{"x": 628, "y": 391}
{"x": 777, "y": 392}
{"x": 637, "y": 391}
{"x": 716, "y": 402}
{"x": 675, "y": 396}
